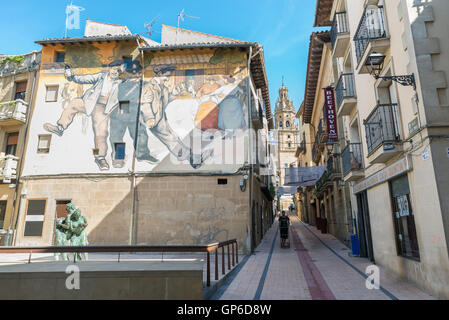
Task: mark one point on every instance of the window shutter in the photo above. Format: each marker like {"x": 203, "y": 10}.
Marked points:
{"x": 34, "y": 221}
{"x": 13, "y": 138}
{"x": 52, "y": 93}
{"x": 21, "y": 86}
{"x": 44, "y": 142}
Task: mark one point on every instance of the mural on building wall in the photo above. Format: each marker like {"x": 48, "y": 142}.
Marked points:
{"x": 99, "y": 98}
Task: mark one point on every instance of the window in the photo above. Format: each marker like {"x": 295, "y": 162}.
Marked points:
{"x": 95, "y": 152}
{"x": 128, "y": 63}
{"x": 222, "y": 181}
{"x": 52, "y": 94}
{"x": 404, "y": 221}
{"x": 11, "y": 143}
{"x": 60, "y": 56}
{"x": 281, "y": 125}
{"x": 44, "y": 143}
{"x": 2, "y": 213}
{"x": 289, "y": 145}
{"x": 34, "y": 221}
{"x": 287, "y": 124}
{"x": 123, "y": 107}
{"x": 119, "y": 151}
{"x": 21, "y": 88}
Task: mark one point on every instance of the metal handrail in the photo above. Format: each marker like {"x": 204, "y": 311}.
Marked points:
{"x": 382, "y": 126}
{"x": 369, "y": 30}
{"x": 352, "y": 157}
{"x": 139, "y": 249}
{"x": 339, "y": 26}
{"x": 345, "y": 88}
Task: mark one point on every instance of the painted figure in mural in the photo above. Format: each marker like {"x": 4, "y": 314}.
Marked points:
{"x": 77, "y": 226}
{"x": 124, "y": 116}
{"x": 230, "y": 109}
{"x": 62, "y": 237}
{"x": 98, "y": 101}
{"x": 207, "y": 115}
{"x": 221, "y": 104}
{"x": 157, "y": 94}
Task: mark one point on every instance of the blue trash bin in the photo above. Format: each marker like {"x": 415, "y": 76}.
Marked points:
{"x": 355, "y": 245}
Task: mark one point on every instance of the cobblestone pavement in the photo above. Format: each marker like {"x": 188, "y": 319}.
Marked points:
{"x": 316, "y": 266}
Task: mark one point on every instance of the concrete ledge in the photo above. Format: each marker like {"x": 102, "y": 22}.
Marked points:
{"x": 104, "y": 281}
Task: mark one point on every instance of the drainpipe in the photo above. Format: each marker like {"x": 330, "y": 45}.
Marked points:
{"x": 19, "y": 166}
{"x": 133, "y": 212}
{"x": 250, "y": 149}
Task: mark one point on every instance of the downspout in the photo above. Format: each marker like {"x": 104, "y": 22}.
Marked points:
{"x": 19, "y": 166}
{"x": 133, "y": 213}
{"x": 250, "y": 149}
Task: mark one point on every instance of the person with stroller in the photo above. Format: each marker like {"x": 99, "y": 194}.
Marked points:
{"x": 284, "y": 224}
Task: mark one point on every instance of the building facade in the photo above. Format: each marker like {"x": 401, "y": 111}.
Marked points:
{"x": 327, "y": 204}
{"x": 150, "y": 140}
{"x": 387, "y": 62}
{"x": 18, "y": 75}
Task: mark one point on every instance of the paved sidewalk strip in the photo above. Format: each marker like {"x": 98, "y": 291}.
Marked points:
{"x": 317, "y": 266}
{"x": 318, "y": 287}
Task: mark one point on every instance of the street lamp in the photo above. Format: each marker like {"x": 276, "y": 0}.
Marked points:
{"x": 375, "y": 65}
{"x": 330, "y": 146}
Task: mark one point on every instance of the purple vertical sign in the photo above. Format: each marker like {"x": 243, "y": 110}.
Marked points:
{"x": 331, "y": 114}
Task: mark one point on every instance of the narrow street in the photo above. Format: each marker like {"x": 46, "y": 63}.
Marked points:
{"x": 315, "y": 267}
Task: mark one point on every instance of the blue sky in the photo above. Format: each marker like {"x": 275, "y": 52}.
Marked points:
{"x": 283, "y": 27}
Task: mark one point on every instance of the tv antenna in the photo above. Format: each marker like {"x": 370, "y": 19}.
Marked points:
{"x": 181, "y": 17}
{"x": 149, "y": 26}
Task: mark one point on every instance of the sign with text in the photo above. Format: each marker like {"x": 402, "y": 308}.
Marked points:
{"x": 330, "y": 114}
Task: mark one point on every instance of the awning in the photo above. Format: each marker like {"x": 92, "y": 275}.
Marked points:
{"x": 303, "y": 176}
{"x": 286, "y": 190}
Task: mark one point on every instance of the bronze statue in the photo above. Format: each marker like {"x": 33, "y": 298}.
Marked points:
{"x": 71, "y": 230}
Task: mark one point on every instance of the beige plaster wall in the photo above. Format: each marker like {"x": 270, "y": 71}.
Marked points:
{"x": 170, "y": 210}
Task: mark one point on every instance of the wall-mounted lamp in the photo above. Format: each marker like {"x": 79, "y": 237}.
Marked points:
{"x": 243, "y": 182}
{"x": 375, "y": 65}
{"x": 331, "y": 148}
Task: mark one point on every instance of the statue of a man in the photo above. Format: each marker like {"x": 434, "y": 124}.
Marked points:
{"x": 77, "y": 227}
{"x": 62, "y": 232}
{"x": 61, "y": 237}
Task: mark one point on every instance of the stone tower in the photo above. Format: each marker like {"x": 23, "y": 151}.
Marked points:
{"x": 288, "y": 136}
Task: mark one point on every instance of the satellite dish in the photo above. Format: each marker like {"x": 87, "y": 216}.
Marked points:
{"x": 149, "y": 26}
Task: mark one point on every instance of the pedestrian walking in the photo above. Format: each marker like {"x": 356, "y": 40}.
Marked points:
{"x": 284, "y": 224}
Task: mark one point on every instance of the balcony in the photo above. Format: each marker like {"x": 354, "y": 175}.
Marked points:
{"x": 13, "y": 113}
{"x": 340, "y": 34}
{"x": 301, "y": 148}
{"x": 257, "y": 114}
{"x": 8, "y": 167}
{"x": 352, "y": 161}
{"x": 316, "y": 153}
{"x": 322, "y": 132}
{"x": 382, "y": 133}
{"x": 345, "y": 94}
{"x": 371, "y": 36}
{"x": 333, "y": 171}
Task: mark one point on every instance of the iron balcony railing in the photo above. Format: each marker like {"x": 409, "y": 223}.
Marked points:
{"x": 333, "y": 165}
{"x": 339, "y": 26}
{"x": 382, "y": 126}
{"x": 352, "y": 157}
{"x": 316, "y": 153}
{"x": 372, "y": 26}
{"x": 345, "y": 88}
